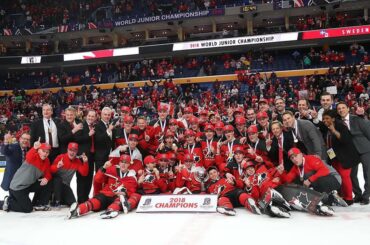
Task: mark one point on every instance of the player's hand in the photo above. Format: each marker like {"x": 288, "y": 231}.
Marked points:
{"x": 37, "y": 144}
{"x": 110, "y": 127}
{"x": 161, "y": 146}
{"x": 91, "y": 132}
{"x": 141, "y": 178}
{"x": 156, "y": 172}
{"x": 307, "y": 183}
{"x": 280, "y": 168}
{"x": 259, "y": 159}
{"x": 313, "y": 113}
{"x": 60, "y": 164}
{"x": 230, "y": 178}
{"x": 251, "y": 151}
{"x": 43, "y": 181}
{"x": 8, "y": 138}
{"x": 77, "y": 127}
{"x": 276, "y": 180}
{"x": 107, "y": 164}
{"x": 174, "y": 147}
{"x": 247, "y": 182}
{"x": 147, "y": 137}
{"x": 84, "y": 157}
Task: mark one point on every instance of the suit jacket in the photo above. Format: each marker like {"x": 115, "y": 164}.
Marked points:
{"x": 84, "y": 140}
{"x": 360, "y": 131}
{"x": 13, "y": 158}
{"x": 344, "y": 148}
{"x": 288, "y": 143}
{"x": 312, "y": 139}
{"x": 37, "y": 130}
{"x": 103, "y": 143}
{"x": 65, "y": 135}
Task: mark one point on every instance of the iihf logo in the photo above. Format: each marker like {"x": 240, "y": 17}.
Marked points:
{"x": 147, "y": 202}
{"x": 207, "y": 201}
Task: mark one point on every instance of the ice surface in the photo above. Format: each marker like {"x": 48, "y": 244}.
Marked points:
{"x": 348, "y": 226}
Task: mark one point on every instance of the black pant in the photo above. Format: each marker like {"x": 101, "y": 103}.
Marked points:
{"x": 326, "y": 184}
{"x": 62, "y": 192}
{"x": 84, "y": 183}
{"x": 19, "y": 201}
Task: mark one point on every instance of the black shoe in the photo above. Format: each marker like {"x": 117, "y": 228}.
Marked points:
{"x": 349, "y": 202}
{"x": 5, "y": 204}
{"x": 357, "y": 199}
{"x": 365, "y": 202}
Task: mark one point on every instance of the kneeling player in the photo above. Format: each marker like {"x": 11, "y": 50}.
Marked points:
{"x": 118, "y": 192}
{"x": 229, "y": 195}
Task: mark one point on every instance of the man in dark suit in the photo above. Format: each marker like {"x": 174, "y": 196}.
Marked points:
{"x": 85, "y": 139}
{"x": 67, "y": 129}
{"x": 46, "y": 129}
{"x": 360, "y": 131}
{"x": 15, "y": 153}
{"x": 103, "y": 138}
{"x": 305, "y": 135}
{"x": 281, "y": 143}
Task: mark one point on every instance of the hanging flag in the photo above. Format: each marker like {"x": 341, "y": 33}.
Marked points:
{"x": 63, "y": 28}
{"x": 8, "y": 32}
{"x": 91, "y": 26}
{"x": 18, "y": 32}
{"x": 298, "y": 3}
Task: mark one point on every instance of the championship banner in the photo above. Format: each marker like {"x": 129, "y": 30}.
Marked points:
{"x": 106, "y": 53}
{"x": 336, "y": 32}
{"x": 169, "y": 17}
{"x": 229, "y": 42}
{"x": 177, "y": 203}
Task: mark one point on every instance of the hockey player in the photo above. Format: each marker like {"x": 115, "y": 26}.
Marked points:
{"x": 311, "y": 171}
{"x": 260, "y": 183}
{"x": 64, "y": 167}
{"x": 118, "y": 193}
{"x": 150, "y": 181}
{"x": 229, "y": 195}
{"x": 192, "y": 147}
{"x": 185, "y": 176}
{"x": 209, "y": 145}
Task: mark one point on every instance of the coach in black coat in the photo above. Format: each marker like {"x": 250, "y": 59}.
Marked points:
{"x": 85, "y": 139}
{"x": 67, "y": 129}
{"x": 40, "y": 129}
{"x": 343, "y": 147}
{"x": 103, "y": 138}
{"x": 288, "y": 143}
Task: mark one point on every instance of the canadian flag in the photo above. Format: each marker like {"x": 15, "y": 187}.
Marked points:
{"x": 63, "y": 28}
{"x": 8, "y": 32}
{"x": 91, "y": 26}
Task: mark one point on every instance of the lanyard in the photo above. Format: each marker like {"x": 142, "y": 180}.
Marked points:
{"x": 192, "y": 148}
{"x": 124, "y": 133}
{"x": 329, "y": 140}
{"x": 163, "y": 126}
{"x": 301, "y": 174}
{"x": 230, "y": 147}
{"x": 209, "y": 144}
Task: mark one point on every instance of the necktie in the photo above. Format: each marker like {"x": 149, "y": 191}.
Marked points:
{"x": 49, "y": 132}
{"x": 24, "y": 152}
{"x": 92, "y": 148}
{"x": 281, "y": 155}
{"x": 347, "y": 123}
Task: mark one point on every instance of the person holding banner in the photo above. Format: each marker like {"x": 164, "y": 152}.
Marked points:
{"x": 229, "y": 195}
{"x": 118, "y": 193}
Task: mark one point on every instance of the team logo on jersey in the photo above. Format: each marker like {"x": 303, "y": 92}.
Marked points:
{"x": 261, "y": 178}
{"x": 149, "y": 178}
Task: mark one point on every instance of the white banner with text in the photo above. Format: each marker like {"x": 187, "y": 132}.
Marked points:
{"x": 177, "y": 203}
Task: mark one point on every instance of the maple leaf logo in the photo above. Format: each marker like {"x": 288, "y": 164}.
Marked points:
{"x": 303, "y": 199}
